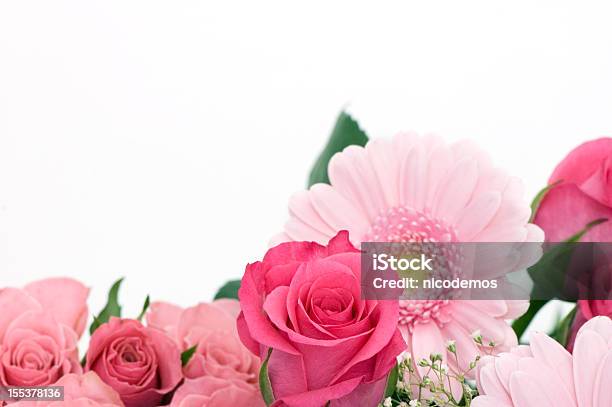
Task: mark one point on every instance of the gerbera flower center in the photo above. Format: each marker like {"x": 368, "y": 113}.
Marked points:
{"x": 404, "y": 224}
{"x": 407, "y": 225}
{"x": 414, "y": 312}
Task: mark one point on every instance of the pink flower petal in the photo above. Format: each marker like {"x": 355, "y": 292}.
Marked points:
{"x": 164, "y": 316}
{"x": 526, "y": 391}
{"x": 588, "y": 350}
{"x": 547, "y": 350}
{"x": 477, "y": 214}
{"x": 581, "y": 162}
{"x": 352, "y": 176}
{"x": 14, "y": 302}
{"x": 577, "y": 209}
{"x": 426, "y": 340}
{"x": 489, "y": 401}
{"x": 65, "y": 298}
{"x": 603, "y": 387}
{"x": 337, "y": 211}
{"x": 413, "y": 179}
{"x": 386, "y": 167}
{"x": 453, "y": 198}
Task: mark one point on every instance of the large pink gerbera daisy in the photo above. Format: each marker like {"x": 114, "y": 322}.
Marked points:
{"x": 544, "y": 374}
{"x": 420, "y": 189}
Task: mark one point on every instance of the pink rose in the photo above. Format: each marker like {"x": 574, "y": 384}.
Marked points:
{"x": 583, "y": 194}
{"x": 37, "y": 351}
{"x": 208, "y": 391}
{"x": 85, "y": 390}
{"x": 219, "y": 355}
{"x": 303, "y": 302}
{"x": 593, "y": 308}
{"x": 64, "y": 298}
{"x": 38, "y": 344}
{"x": 142, "y": 364}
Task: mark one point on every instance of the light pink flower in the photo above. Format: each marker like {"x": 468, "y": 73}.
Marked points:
{"x": 85, "y": 390}
{"x": 412, "y": 188}
{"x": 64, "y": 298}
{"x": 422, "y": 190}
{"x": 141, "y": 363}
{"x": 38, "y": 342}
{"x": 209, "y": 391}
{"x": 223, "y": 363}
{"x": 544, "y": 374}
{"x": 37, "y": 351}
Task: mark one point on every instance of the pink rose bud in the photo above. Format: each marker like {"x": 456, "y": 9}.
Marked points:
{"x": 142, "y": 364}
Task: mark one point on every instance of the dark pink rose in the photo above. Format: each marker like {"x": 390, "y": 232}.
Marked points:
{"x": 219, "y": 354}
{"x": 303, "y": 301}
{"x": 593, "y": 308}
{"x": 85, "y": 390}
{"x": 141, "y": 363}
{"x": 583, "y": 194}
{"x": 39, "y": 329}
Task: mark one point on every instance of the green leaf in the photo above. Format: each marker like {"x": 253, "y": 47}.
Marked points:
{"x": 145, "y": 307}
{"x": 186, "y": 355}
{"x": 535, "y": 204}
{"x": 549, "y": 278}
{"x": 391, "y": 382}
{"x": 521, "y": 324}
{"x": 562, "y": 330}
{"x": 346, "y": 132}
{"x": 264, "y": 381}
{"x": 229, "y": 290}
{"x": 112, "y": 308}
{"x": 549, "y": 273}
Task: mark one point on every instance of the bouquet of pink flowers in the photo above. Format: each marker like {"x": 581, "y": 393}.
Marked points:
{"x": 297, "y": 329}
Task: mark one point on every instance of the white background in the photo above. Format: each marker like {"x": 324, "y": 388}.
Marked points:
{"x": 161, "y": 140}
